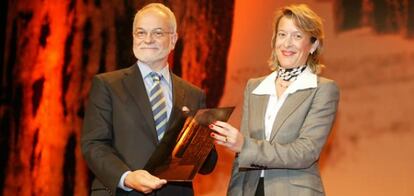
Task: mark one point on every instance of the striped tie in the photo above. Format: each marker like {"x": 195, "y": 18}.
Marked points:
{"x": 158, "y": 104}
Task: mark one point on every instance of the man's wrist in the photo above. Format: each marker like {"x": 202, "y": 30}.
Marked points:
{"x": 121, "y": 183}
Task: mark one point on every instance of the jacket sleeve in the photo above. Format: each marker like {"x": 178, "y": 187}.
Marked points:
{"x": 237, "y": 177}
{"x": 97, "y": 136}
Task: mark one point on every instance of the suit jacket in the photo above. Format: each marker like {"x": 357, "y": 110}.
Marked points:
{"x": 119, "y": 132}
{"x": 290, "y": 157}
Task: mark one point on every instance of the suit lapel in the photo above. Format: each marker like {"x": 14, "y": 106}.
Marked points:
{"x": 178, "y": 99}
{"x": 135, "y": 85}
{"x": 292, "y": 102}
{"x": 259, "y": 106}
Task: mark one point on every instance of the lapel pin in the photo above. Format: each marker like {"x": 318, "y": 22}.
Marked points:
{"x": 185, "y": 109}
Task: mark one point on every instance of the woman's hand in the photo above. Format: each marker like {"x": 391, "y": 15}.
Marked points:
{"x": 226, "y": 135}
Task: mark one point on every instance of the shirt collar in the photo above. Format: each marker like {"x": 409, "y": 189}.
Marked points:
{"x": 305, "y": 80}
{"x": 267, "y": 86}
{"x": 146, "y": 70}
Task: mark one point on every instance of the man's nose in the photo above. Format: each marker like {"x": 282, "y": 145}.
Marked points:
{"x": 148, "y": 37}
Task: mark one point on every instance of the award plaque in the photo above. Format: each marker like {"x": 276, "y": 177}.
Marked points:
{"x": 184, "y": 149}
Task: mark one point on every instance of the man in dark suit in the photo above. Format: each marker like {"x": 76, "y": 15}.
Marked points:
{"x": 130, "y": 110}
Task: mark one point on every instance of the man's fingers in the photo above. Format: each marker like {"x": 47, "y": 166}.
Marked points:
{"x": 153, "y": 181}
{"x": 144, "y": 181}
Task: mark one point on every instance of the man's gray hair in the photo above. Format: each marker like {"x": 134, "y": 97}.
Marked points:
{"x": 164, "y": 9}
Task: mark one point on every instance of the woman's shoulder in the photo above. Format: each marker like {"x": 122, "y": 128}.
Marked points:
{"x": 327, "y": 83}
{"x": 257, "y": 80}
{"x": 324, "y": 80}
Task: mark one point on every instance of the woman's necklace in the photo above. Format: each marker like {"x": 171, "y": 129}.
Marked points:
{"x": 283, "y": 84}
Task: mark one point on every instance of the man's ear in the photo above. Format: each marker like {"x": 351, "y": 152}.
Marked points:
{"x": 174, "y": 39}
{"x": 314, "y": 46}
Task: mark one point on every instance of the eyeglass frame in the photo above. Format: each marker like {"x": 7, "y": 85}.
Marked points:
{"x": 155, "y": 34}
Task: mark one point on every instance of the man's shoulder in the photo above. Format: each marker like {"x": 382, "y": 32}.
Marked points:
{"x": 116, "y": 74}
{"x": 186, "y": 84}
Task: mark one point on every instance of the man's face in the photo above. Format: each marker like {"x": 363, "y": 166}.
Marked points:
{"x": 153, "y": 38}
{"x": 292, "y": 44}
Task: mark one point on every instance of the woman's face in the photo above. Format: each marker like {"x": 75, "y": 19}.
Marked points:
{"x": 292, "y": 44}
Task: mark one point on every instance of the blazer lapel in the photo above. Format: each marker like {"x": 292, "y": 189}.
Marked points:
{"x": 259, "y": 108}
{"x": 291, "y": 103}
{"x": 135, "y": 85}
{"x": 178, "y": 99}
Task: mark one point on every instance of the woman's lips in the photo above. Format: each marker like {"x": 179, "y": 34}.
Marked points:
{"x": 288, "y": 53}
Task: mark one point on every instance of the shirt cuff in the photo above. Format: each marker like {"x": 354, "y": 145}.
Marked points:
{"x": 121, "y": 183}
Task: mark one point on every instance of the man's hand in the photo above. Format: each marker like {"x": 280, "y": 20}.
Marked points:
{"x": 143, "y": 181}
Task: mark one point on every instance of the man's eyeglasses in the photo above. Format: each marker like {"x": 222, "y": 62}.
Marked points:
{"x": 156, "y": 34}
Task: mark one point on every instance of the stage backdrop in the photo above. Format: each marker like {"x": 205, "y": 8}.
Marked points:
{"x": 52, "y": 49}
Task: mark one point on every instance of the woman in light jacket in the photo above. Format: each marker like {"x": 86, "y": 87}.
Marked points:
{"x": 287, "y": 115}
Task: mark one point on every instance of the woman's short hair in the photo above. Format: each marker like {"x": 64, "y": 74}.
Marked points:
{"x": 307, "y": 21}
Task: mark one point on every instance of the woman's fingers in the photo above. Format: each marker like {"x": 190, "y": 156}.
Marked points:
{"x": 225, "y": 125}
{"x": 226, "y": 135}
{"x": 219, "y": 137}
{"x": 218, "y": 129}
